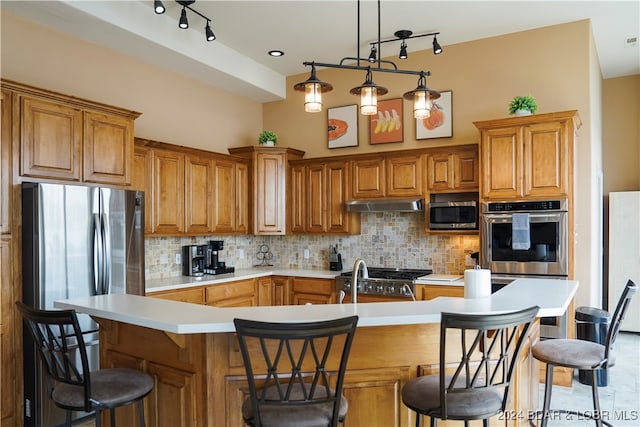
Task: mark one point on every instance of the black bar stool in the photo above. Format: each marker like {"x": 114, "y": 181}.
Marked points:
{"x": 285, "y": 363}
{"x": 56, "y": 334}
{"x": 584, "y": 355}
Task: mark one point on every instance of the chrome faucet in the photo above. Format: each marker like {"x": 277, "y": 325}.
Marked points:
{"x": 354, "y": 278}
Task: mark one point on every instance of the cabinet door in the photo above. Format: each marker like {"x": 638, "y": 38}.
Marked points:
{"x": 108, "y": 149}
{"x": 465, "y": 170}
{"x": 270, "y": 193}
{"x": 381, "y": 389}
{"x": 224, "y": 196}
{"x": 243, "y": 192}
{"x": 50, "y": 141}
{"x": 194, "y": 296}
{"x": 281, "y": 291}
{"x": 314, "y": 291}
{"x": 242, "y": 293}
{"x": 5, "y": 161}
{"x": 368, "y": 179}
{"x": 265, "y": 291}
{"x": 198, "y": 194}
{"x": 168, "y": 192}
{"x": 316, "y": 199}
{"x": 546, "y": 168}
{"x": 8, "y": 347}
{"x": 427, "y": 292}
{"x": 405, "y": 176}
{"x": 298, "y": 208}
{"x": 171, "y": 384}
{"x": 439, "y": 172}
{"x": 142, "y": 179}
{"x": 502, "y": 163}
{"x": 338, "y": 219}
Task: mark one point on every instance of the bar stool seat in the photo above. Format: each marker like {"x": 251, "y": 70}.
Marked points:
{"x": 572, "y": 353}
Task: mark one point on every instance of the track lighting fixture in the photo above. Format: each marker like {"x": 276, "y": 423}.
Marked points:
{"x": 437, "y": 49}
{"x": 313, "y": 90}
{"x": 369, "y": 91}
{"x": 422, "y": 98}
{"x": 158, "y": 7}
{"x": 183, "y": 23}
{"x": 373, "y": 55}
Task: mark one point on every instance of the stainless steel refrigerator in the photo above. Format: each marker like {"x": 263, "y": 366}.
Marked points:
{"x": 77, "y": 241}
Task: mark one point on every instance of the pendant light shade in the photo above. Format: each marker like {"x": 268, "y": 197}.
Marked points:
{"x": 368, "y": 92}
{"x": 313, "y": 90}
{"x": 422, "y": 98}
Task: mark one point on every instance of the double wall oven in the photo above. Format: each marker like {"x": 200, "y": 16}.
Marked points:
{"x": 527, "y": 238}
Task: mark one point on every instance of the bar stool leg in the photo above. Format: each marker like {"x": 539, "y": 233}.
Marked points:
{"x": 548, "y": 383}
{"x": 141, "y": 413}
{"x": 596, "y": 400}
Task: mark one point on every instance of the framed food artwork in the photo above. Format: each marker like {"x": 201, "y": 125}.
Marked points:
{"x": 439, "y": 124}
{"x": 386, "y": 126}
{"x": 342, "y": 125}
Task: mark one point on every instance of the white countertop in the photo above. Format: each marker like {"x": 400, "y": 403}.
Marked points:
{"x": 183, "y": 282}
{"x": 552, "y": 296}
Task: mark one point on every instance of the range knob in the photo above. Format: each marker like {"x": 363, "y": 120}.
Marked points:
{"x": 391, "y": 290}
{"x": 368, "y": 287}
{"x": 347, "y": 286}
{"x": 379, "y": 289}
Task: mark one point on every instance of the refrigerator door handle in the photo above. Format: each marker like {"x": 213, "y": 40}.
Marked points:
{"x": 97, "y": 249}
{"x": 106, "y": 243}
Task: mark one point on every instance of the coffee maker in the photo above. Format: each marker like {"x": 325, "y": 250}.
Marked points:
{"x": 212, "y": 263}
{"x": 193, "y": 261}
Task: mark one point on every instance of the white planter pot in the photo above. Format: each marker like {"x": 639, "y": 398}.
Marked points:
{"x": 269, "y": 143}
{"x": 522, "y": 113}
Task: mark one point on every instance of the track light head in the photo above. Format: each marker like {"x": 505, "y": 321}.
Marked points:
{"x": 403, "y": 51}
{"x": 209, "y": 33}
{"x": 158, "y": 7}
{"x": 437, "y": 49}
{"x": 183, "y": 23}
{"x": 373, "y": 56}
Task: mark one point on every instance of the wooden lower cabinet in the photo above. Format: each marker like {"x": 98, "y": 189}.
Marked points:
{"x": 194, "y": 296}
{"x": 281, "y": 290}
{"x": 200, "y": 378}
{"x": 243, "y": 293}
{"x": 313, "y": 291}
{"x": 9, "y": 341}
{"x": 427, "y": 292}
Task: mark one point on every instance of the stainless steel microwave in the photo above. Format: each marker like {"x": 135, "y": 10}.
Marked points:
{"x": 453, "y": 215}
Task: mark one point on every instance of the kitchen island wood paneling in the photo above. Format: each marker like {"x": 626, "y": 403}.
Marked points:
{"x": 191, "y": 350}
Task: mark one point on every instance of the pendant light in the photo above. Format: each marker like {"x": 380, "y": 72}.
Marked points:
{"x": 313, "y": 90}
{"x": 368, "y": 92}
{"x": 422, "y": 98}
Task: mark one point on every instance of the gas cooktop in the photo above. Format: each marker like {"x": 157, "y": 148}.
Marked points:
{"x": 395, "y": 282}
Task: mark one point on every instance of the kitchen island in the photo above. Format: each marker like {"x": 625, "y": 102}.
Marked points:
{"x": 192, "y": 353}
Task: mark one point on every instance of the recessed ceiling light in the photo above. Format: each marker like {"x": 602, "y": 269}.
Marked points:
{"x": 276, "y": 53}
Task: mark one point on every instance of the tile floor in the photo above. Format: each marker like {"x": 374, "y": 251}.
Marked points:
{"x": 619, "y": 400}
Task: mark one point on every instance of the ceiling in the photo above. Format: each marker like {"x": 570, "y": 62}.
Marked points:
{"x": 323, "y": 31}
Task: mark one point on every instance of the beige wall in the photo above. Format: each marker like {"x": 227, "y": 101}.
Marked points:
{"x": 174, "y": 108}
{"x": 621, "y": 134}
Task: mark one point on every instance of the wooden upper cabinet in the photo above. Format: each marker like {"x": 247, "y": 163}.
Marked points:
{"x": 453, "y": 170}
{"x": 368, "y": 178}
{"x": 108, "y": 149}
{"x": 316, "y": 199}
{"x": 298, "y": 197}
{"x": 405, "y": 175}
{"x": 5, "y": 162}
{"x": 339, "y": 221}
{"x": 198, "y": 193}
{"x": 66, "y": 138}
{"x": 168, "y": 192}
{"x": 528, "y": 156}
{"x": 270, "y": 170}
{"x": 224, "y": 196}
{"x": 51, "y": 139}
{"x": 142, "y": 179}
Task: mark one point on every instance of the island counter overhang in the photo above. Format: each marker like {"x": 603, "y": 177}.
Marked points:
{"x": 192, "y": 353}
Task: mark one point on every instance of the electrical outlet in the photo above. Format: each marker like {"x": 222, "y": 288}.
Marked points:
{"x": 164, "y": 259}
{"x": 241, "y": 253}
{"x": 306, "y": 254}
{"x": 178, "y": 258}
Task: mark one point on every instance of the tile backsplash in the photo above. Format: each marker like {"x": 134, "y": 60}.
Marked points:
{"x": 388, "y": 239}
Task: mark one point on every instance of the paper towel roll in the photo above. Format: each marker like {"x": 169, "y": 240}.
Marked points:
{"x": 477, "y": 283}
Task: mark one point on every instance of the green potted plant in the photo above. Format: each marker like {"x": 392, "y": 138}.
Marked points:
{"x": 267, "y": 138}
{"x": 524, "y": 105}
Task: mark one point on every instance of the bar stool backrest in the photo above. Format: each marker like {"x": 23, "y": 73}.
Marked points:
{"x": 58, "y": 340}
{"x": 618, "y": 316}
{"x": 488, "y": 349}
{"x": 285, "y": 356}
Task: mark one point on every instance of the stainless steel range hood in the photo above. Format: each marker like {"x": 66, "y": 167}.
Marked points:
{"x": 385, "y": 205}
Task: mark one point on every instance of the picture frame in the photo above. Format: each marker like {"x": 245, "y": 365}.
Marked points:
{"x": 440, "y": 123}
{"x": 342, "y": 126}
{"x": 387, "y": 125}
